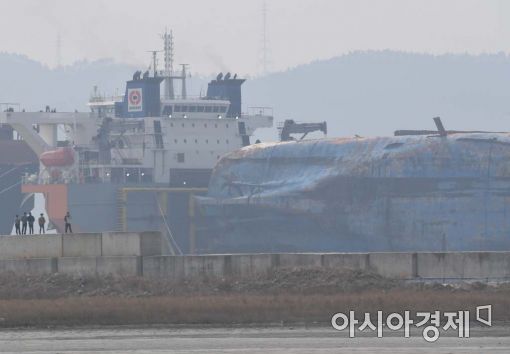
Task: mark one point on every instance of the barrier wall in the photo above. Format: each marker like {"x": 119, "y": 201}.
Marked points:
{"x": 125, "y": 266}
{"x": 32, "y": 266}
{"x": 131, "y": 243}
{"x": 41, "y": 246}
{"x": 482, "y": 266}
{"x": 104, "y": 244}
{"x": 137, "y": 260}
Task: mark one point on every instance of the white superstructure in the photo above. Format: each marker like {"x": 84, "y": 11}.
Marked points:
{"x": 145, "y": 136}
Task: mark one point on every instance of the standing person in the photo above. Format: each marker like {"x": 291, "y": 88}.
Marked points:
{"x": 31, "y": 221}
{"x": 42, "y": 221}
{"x": 67, "y": 220}
{"x": 24, "y": 220}
{"x": 17, "y": 223}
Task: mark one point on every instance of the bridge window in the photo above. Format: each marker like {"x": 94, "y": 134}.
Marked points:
{"x": 216, "y": 109}
{"x": 167, "y": 110}
{"x": 184, "y": 108}
{"x": 223, "y": 109}
{"x": 177, "y": 108}
{"x": 200, "y": 108}
{"x": 192, "y": 108}
{"x": 208, "y": 109}
{"x": 180, "y": 157}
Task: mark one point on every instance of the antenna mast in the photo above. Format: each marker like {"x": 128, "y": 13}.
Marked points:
{"x": 168, "y": 48}
{"x": 154, "y": 61}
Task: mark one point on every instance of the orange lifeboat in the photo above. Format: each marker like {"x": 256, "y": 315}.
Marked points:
{"x": 58, "y": 158}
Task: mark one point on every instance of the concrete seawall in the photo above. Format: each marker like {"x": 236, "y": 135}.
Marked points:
{"x": 482, "y": 266}
{"x": 140, "y": 254}
{"x": 106, "y": 244}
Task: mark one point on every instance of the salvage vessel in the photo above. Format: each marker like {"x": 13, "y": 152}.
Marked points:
{"x": 134, "y": 162}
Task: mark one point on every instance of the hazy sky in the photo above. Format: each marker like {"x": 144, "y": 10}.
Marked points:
{"x": 219, "y": 35}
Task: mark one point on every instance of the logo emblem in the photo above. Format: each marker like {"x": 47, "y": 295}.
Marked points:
{"x": 134, "y": 100}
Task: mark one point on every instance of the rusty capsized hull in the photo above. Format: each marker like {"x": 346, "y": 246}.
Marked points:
{"x": 408, "y": 193}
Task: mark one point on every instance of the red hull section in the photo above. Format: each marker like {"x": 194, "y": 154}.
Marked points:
{"x": 56, "y": 201}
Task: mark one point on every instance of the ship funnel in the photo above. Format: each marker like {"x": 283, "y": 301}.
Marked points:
{"x": 228, "y": 89}
{"x": 142, "y": 97}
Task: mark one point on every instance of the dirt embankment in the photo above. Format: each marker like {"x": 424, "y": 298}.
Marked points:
{"x": 294, "y": 280}
{"x": 286, "y": 295}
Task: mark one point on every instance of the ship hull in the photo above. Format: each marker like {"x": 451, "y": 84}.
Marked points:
{"x": 362, "y": 195}
{"x": 375, "y": 215}
{"x": 16, "y": 160}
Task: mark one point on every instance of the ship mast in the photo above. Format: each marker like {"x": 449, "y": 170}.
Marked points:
{"x": 168, "y": 74}
{"x": 154, "y": 62}
{"x": 168, "y": 49}
{"x": 183, "y": 77}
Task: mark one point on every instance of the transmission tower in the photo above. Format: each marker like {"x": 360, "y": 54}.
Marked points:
{"x": 265, "y": 40}
{"x": 59, "y": 50}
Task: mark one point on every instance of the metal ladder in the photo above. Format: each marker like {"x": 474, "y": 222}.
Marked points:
{"x": 121, "y": 210}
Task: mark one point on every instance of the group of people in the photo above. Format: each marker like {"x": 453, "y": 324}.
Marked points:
{"x": 28, "y": 220}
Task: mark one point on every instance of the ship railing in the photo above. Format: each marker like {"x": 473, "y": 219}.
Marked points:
{"x": 10, "y": 107}
{"x": 29, "y": 179}
{"x": 260, "y": 111}
{"x": 182, "y": 98}
{"x": 102, "y": 99}
{"x": 33, "y": 179}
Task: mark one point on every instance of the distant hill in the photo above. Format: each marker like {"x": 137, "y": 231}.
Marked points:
{"x": 34, "y": 86}
{"x": 365, "y": 93}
